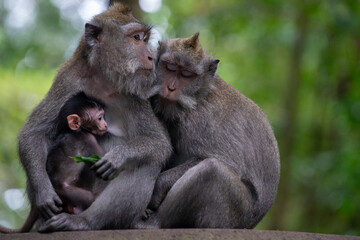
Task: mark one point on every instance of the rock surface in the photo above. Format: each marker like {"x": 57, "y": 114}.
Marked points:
{"x": 177, "y": 234}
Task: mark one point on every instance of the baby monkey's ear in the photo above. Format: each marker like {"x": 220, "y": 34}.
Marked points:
{"x": 73, "y": 121}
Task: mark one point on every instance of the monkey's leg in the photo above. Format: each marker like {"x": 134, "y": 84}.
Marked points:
{"x": 164, "y": 183}
{"x": 76, "y": 199}
{"x": 208, "y": 195}
{"x": 118, "y": 206}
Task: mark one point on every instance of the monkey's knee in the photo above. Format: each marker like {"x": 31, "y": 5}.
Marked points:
{"x": 212, "y": 168}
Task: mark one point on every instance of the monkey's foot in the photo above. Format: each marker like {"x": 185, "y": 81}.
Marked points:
{"x": 146, "y": 225}
{"x": 147, "y": 214}
{"x": 65, "y": 222}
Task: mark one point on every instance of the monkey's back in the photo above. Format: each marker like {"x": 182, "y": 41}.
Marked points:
{"x": 230, "y": 127}
{"x": 248, "y": 140}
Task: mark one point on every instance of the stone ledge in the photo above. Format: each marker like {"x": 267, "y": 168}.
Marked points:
{"x": 175, "y": 234}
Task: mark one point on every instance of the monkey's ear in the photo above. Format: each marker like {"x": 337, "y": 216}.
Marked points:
{"x": 73, "y": 121}
{"x": 92, "y": 34}
{"x": 193, "y": 40}
{"x": 213, "y": 66}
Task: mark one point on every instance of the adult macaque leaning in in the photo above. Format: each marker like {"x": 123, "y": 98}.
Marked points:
{"x": 114, "y": 64}
{"x": 79, "y": 121}
{"x": 225, "y": 170}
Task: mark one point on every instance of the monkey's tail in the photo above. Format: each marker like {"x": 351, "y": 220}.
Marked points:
{"x": 29, "y": 223}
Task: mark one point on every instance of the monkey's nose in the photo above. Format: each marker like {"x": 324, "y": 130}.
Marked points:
{"x": 171, "y": 88}
{"x": 150, "y": 58}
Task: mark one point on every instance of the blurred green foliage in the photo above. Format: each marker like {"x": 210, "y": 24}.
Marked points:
{"x": 298, "y": 60}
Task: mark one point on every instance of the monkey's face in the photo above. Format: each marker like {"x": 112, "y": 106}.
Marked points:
{"x": 176, "y": 80}
{"x": 184, "y": 72}
{"x": 94, "y": 121}
{"x": 121, "y": 51}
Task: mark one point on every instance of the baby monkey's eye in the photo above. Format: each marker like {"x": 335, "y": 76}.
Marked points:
{"x": 100, "y": 118}
{"x": 187, "y": 74}
{"x": 171, "y": 67}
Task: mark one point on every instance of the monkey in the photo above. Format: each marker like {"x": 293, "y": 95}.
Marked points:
{"x": 115, "y": 63}
{"x": 224, "y": 172}
{"x": 79, "y": 121}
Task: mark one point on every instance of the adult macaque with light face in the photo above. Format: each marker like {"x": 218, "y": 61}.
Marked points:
{"x": 113, "y": 63}
{"x": 225, "y": 170}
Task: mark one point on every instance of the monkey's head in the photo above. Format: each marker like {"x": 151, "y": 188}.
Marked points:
{"x": 81, "y": 112}
{"x": 91, "y": 120}
{"x": 117, "y": 45}
{"x": 185, "y": 71}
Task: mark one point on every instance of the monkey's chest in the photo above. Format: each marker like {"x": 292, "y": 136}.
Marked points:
{"x": 116, "y": 116}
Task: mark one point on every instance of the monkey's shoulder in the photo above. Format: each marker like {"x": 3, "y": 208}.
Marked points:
{"x": 228, "y": 103}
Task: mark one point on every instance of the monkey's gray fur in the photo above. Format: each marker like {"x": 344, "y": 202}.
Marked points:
{"x": 112, "y": 63}
{"x": 225, "y": 169}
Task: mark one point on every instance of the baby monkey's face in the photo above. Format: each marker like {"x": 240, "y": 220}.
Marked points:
{"x": 95, "y": 122}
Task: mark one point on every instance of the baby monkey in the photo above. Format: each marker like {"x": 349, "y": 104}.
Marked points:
{"x": 80, "y": 120}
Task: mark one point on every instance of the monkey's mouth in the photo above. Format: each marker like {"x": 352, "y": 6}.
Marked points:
{"x": 146, "y": 71}
{"x": 166, "y": 101}
{"x": 101, "y": 132}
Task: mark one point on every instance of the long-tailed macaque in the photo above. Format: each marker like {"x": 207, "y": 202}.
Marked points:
{"x": 80, "y": 120}
{"x": 115, "y": 64}
{"x": 225, "y": 168}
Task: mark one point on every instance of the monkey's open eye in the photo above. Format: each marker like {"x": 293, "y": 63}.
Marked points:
{"x": 100, "y": 118}
{"x": 171, "y": 67}
{"x": 137, "y": 37}
{"x": 187, "y": 74}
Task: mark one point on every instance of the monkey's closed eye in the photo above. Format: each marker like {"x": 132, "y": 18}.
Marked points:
{"x": 187, "y": 74}
{"x": 171, "y": 67}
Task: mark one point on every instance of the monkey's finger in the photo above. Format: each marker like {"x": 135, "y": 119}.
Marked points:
{"x": 53, "y": 224}
{"x": 55, "y": 209}
{"x": 103, "y": 168}
{"x": 106, "y": 175}
{"x": 112, "y": 175}
{"x": 46, "y": 213}
{"x": 51, "y": 210}
{"x": 98, "y": 164}
{"x": 58, "y": 201}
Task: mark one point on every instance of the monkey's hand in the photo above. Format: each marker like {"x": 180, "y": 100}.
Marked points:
{"x": 48, "y": 203}
{"x": 107, "y": 167}
{"x": 65, "y": 222}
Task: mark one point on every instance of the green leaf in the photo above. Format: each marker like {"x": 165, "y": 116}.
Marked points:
{"x": 89, "y": 161}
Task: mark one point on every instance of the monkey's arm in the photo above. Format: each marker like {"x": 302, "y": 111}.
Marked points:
{"x": 146, "y": 149}
{"x": 148, "y": 145}
{"x": 165, "y": 181}
{"x": 33, "y": 145}
{"x": 34, "y": 142}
